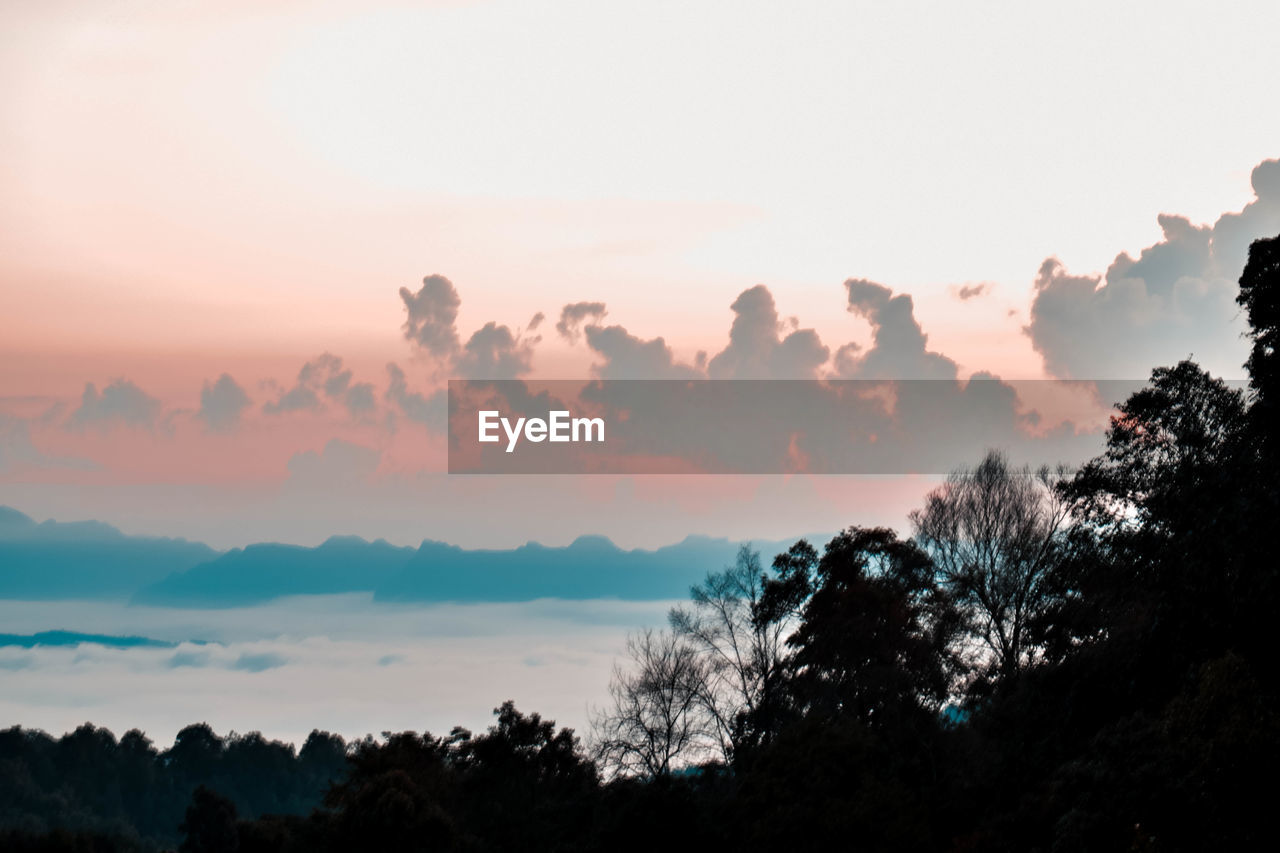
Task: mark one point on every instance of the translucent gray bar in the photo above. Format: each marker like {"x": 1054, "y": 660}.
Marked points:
{"x": 772, "y": 426}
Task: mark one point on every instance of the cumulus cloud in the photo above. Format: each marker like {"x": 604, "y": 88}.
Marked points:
{"x": 299, "y": 398}
{"x": 899, "y": 346}
{"x": 572, "y": 317}
{"x": 1234, "y": 232}
{"x": 757, "y": 351}
{"x": 1176, "y": 299}
{"x": 340, "y": 463}
{"x": 324, "y": 377}
{"x": 761, "y": 345}
{"x": 119, "y": 403}
{"x": 222, "y": 403}
{"x": 628, "y": 357}
{"x": 492, "y": 352}
{"x": 359, "y": 400}
{"x": 432, "y": 315}
{"x": 430, "y": 411}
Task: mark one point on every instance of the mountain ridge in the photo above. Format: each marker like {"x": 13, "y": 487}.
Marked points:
{"x": 57, "y": 560}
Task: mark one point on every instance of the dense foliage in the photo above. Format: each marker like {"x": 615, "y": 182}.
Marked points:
{"x": 1051, "y": 661}
{"x": 87, "y": 781}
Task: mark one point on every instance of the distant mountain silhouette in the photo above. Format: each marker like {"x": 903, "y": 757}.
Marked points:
{"x": 590, "y": 567}
{"x": 85, "y": 559}
{"x": 259, "y": 573}
{"x": 93, "y": 560}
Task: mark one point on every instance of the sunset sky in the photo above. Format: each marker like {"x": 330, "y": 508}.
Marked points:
{"x": 193, "y": 189}
{"x": 244, "y": 245}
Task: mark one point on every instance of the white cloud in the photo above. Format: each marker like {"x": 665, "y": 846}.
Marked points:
{"x": 333, "y": 662}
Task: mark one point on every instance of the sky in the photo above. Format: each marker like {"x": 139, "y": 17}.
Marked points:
{"x": 191, "y": 191}
{"x": 243, "y": 245}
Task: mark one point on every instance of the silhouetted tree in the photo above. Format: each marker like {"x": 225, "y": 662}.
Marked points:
{"x": 1260, "y": 297}
{"x": 523, "y": 781}
{"x": 743, "y": 648}
{"x": 858, "y": 756}
{"x": 522, "y": 784}
{"x": 876, "y": 630}
{"x": 195, "y": 752}
{"x": 1177, "y": 567}
{"x": 210, "y": 824}
{"x": 657, "y": 721}
{"x": 994, "y": 533}
{"x": 1158, "y": 703}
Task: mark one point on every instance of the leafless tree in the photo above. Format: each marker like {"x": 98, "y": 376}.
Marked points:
{"x": 657, "y": 722}
{"x": 994, "y": 533}
{"x": 742, "y": 650}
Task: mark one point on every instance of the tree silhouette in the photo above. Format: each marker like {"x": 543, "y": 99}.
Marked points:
{"x": 994, "y": 533}
{"x": 1174, "y": 565}
{"x": 743, "y": 648}
{"x": 657, "y": 721}
{"x": 210, "y": 824}
{"x": 1260, "y": 297}
{"x": 875, "y": 633}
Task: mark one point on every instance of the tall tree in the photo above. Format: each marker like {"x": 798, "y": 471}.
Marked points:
{"x": 1260, "y": 297}
{"x": 743, "y": 647}
{"x": 876, "y": 631}
{"x": 657, "y": 722}
{"x": 1184, "y": 568}
{"x": 993, "y": 532}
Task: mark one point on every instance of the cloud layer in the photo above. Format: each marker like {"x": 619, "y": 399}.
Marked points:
{"x": 1175, "y": 300}
{"x": 762, "y": 345}
{"x": 899, "y": 346}
{"x": 273, "y": 668}
{"x": 492, "y": 352}
{"x": 120, "y": 403}
{"x": 324, "y": 378}
{"x": 222, "y": 403}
